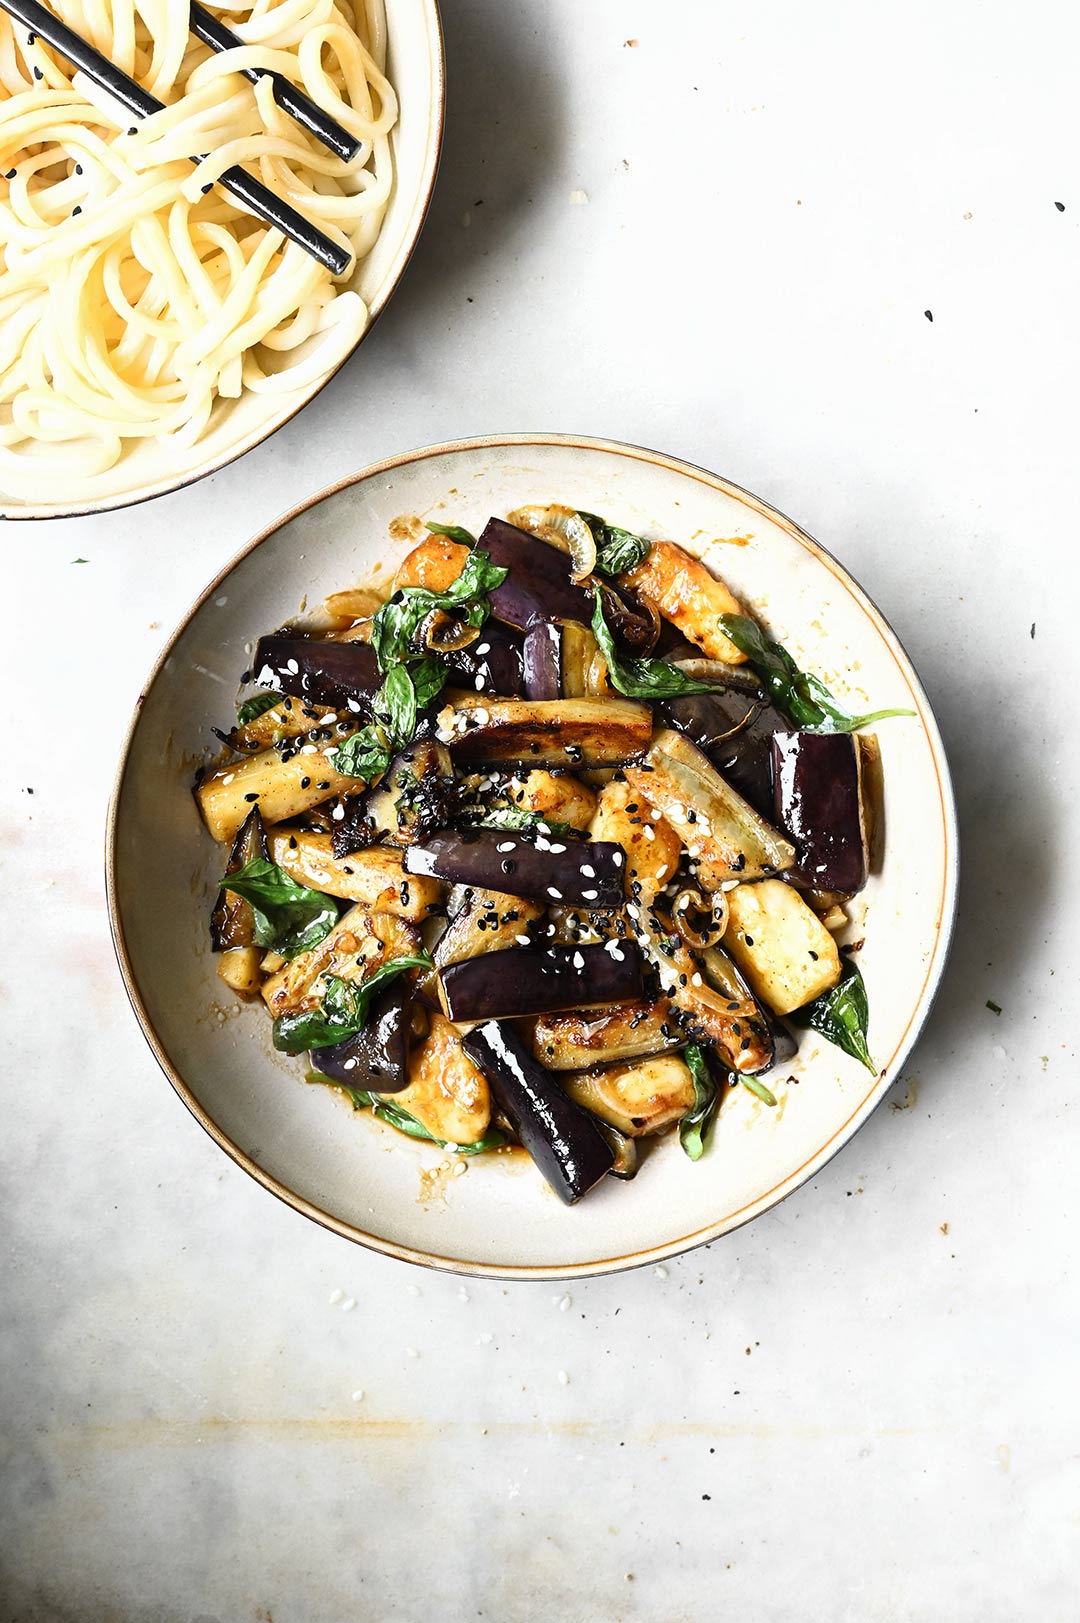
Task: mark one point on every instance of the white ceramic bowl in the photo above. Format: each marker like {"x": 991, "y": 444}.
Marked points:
{"x": 351, "y": 1173}
{"x": 416, "y": 68}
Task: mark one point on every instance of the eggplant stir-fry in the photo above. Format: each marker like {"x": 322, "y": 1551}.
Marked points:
{"x": 543, "y": 849}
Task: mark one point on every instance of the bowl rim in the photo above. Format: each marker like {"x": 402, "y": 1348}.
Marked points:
{"x": 887, "y": 1073}
{"x": 167, "y": 486}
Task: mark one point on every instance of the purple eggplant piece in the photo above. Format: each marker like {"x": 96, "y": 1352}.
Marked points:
{"x": 586, "y": 873}
{"x": 629, "y": 624}
{"x": 227, "y": 928}
{"x": 376, "y": 1059}
{"x": 491, "y": 664}
{"x": 543, "y": 660}
{"x": 563, "y": 1139}
{"x": 735, "y": 730}
{"x": 338, "y": 674}
{"x": 818, "y": 802}
{"x": 541, "y": 980}
{"x": 538, "y": 585}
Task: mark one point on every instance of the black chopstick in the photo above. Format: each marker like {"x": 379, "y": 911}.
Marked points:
{"x": 214, "y": 33}
{"x": 259, "y": 198}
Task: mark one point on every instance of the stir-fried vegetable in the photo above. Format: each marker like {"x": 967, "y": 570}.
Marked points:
{"x": 561, "y": 850}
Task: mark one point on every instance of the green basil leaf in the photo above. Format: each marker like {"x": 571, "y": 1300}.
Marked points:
{"x": 801, "y": 696}
{"x": 843, "y": 1015}
{"x": 758, "y": 1088}
{"x": 428, "y": 678}
{"x": 643, "y": 678}
{"x": 395, "y": 706}
{"x": 395, "y": 623}
{"x": 616, "y": 550}
{"x": 402, "y": 1120}
{"x": 288, "y": 917}
{"x": 257, "y": 705}
{"x": 694, "y": 1127}
{"x": 344, "y": 1008}
{"x": 453, "y": 532}
{"x": 364, "y": 755}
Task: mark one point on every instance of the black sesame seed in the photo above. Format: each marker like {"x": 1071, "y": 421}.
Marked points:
{"x": 322, "y": 786}
{"x": 253, "y": 796}
{"x": 292, "y": 842}
{"x": 749, "y": 940}
{"x": 11, "y": 174}
{"x": 78, "y": 168}
{"x": 38, "y": 74}
{"x": 305, "y": 783}
{"x": 76, "y": 210}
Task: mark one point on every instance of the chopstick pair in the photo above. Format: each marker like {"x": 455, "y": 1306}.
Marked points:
{"x": 249, "y": 191}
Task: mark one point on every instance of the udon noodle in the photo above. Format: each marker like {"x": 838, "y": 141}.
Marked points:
{"x": 134, "y": 293}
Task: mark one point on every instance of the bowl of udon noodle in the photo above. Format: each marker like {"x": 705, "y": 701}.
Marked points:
{"x": 152, "y": 330}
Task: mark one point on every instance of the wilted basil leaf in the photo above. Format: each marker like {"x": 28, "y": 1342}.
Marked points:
{"x": 802, "y": 696}
{"x": 364, "y": 755}
{"x": 453, "y": 532}
{"x": 288, "y": 917}
{"x": 694, "y": 1127}
{"x": 616, "y": 550}
{"x": 344, "y": 1008}
{"x": 395, "y": 623}
{"x": 643, "y": 678}
{"x": 843, "y": 1015}
{"x": 428, "y": 677}
{"x": 257, "y": 705}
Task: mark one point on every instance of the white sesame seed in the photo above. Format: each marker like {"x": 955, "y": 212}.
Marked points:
{"x": 481, "y": 716}
{"x": 350, "y": 1064}
{"x": 460, "y": 1166}
{"x": 348, "y": 1304}
{"x": 463, "y": 1295}
{"x": 413, "y": 1290}
{"x": 564, "y": 1379}
{"x": 506, "y": 845}
{"x": 588, "y": 871}
{"x": 335, "y": 1297}
{"x": 485, "y": 1340}
{"x": 292, "y": 667}
{"x": 411, "y": 1352}
{"x": 556, "y": 849}
{"x": 695, "y": 979}
{"x": 557, "y": 895}
{"x": 478, "y": 682}
{"x": 565, "y": 1304}
{"x": 694, "y": 850}
{"x": 578, "y": 961}
{"x": 228, "y": 778}
{"x": 616, "y": 859}
{"x": 358, "y": 1395}
{"x": 484, "y": 648}
{"x": 354, "y": 706}
{"x": 522, "y": 940}
{"x": 308, "y": 749}
{"x": 660, "y": 1271}
{"x": 590, "y": 895}
{"x": 338, "y": 814}
{"x": 648, "y": 831}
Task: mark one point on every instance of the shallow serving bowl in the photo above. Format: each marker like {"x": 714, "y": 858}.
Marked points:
{"x": 362, "y": 1179}
{"x": 416, "y": 69}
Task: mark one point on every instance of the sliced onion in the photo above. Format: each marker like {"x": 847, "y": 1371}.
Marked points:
{"x": 717, "y": 670}
{"x": 564, "y": 528}
{"x": 687, "y": 912}
{"x": 442, "y": 634}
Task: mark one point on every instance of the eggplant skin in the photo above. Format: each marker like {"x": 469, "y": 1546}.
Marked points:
{"x": 589, "y": 872}
{"x": 566, "y": 1144}
{"x": 538, "y": 585}
{"x": 376, "y": 1058}
{"x": 818, "y": 800}
{"x": 539, "y": 980}
{"x": 318, "y": 670}
{"x": 231, "y": 922}
{"x": 734, "y": 730}
{"x": 492, "y": 664}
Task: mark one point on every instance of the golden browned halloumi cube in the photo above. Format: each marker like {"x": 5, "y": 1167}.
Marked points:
{"x": 780, "y": 944}
{"x": 446, "y": 1092}
{"x": 436, "y": 563}
{"x": 652, "y": 846}
{"x": 689, "y": 596}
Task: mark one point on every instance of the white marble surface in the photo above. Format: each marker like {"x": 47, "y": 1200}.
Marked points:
{"x": 863, "y": 1407}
